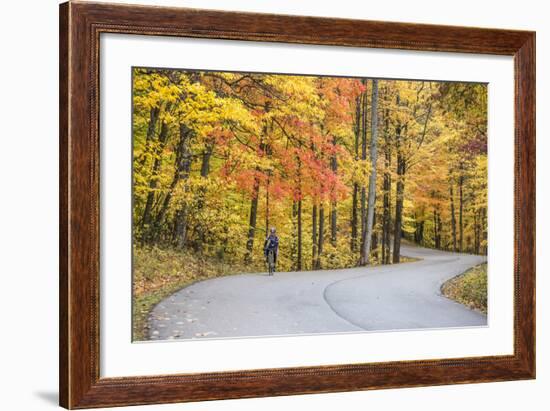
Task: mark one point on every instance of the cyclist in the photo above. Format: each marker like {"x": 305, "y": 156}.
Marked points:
{"x": 272, "y": 244}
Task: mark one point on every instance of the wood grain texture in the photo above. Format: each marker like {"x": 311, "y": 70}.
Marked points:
{"x": 525, "y": 203}
{"x": 63, "y": 204}
{"x": 80, "y": 28}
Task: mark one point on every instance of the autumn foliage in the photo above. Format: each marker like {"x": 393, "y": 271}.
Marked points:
{"x": 344, "y": 168}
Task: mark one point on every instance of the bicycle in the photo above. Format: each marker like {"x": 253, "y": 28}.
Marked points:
{"x": 271, "y": 262}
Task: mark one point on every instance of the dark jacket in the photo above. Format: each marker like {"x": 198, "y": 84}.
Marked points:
{"x": 271, "y": 243}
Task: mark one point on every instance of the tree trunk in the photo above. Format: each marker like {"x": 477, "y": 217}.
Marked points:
{"x": 180, "y": 227}
{"x": 419, "y": 227}
{"x": 354, "y": 218}
{"x": 419, "y": 233}
{"x": 153, "y": 182}
{"x": 252, "y": 220}
{"x": 399, "y": 193}
{"x": 372, "y": 179}
{"x": 363, "y": 188}
{"x": 254, "y": 208}
{"x": 333, "y": 204}
{"x": 267, "y": 206}
{"x": 333, "y": 224}
{"x": 375, "y": 234}
{"x": 386, "y": 229}
{"x": 437, "y": 230}
{"x": 153, "y": 118}
{"x": 461, "y": 211}
{"x": 484, "y": 230}
{"x": 363, "y": 223}
{"x": 201, "y": 228}
{"x": 299, "y": 211}
{"x": 321, "y": 235}
{"x": 294, "y": 249}
{"x": 355, "y": 185}
{"x": 453, "y": 217}
{"x": 477, "y": 231}
{"x": 206, "y": 156}
{"x": 436, "y": 245}
{"x": 299, "y": 263}
{"x": 181, "y": 172}
{"x": 314, "y": 236}
{"x": 154, "y": 115}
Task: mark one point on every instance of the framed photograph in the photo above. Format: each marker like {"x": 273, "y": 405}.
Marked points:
{"x": 260, "y": 205}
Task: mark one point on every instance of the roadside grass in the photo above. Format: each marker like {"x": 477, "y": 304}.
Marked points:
{"x": 469, "y": 288}
{"x": 159, "y": 272}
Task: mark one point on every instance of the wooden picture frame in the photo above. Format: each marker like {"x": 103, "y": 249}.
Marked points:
{"x": 80, "y": 27}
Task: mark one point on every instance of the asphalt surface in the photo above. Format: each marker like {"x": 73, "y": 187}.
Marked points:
{"x": 391, "y": 297}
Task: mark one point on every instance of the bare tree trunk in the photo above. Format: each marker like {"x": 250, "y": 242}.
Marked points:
{"x": 453, "y": 217}
{"x": 334, "y": 204}
{"x": 333, "y": 219}
{"x": 363, "y": 223}
{"x": 267, "y": 206}
{"x": 153, "y": 182}
{"x": 333, "y": 223}
{"x": 254, "y": 207}
{"x": 252, "y": 220}
{"x": 206, "y": 156}
{"x": 321, "y": 235}
{"x": 154, "y": 115}
{"x": 477, "y": 231}
{"x": 386, "y": 230}
{"x": 299, "y": 263}
{"x": 484, "y": 229}
{"x": 437, "y": 229}
{"x": 461, "y": 211}
{"x": 399, "y": 193}
{"x": 441, "y": 242}
{"x": 355, "y": 185}
{"x": 294, "y": 249}
{"x": 180, "y": 227}
{"x": 201, "y": 228}
{"x": 153, "y": 118}
{"x": 419, "y": 233}
{"x": 297, "y": 214}
{"x": 372, "y": 179}
{"x": 363, "y": 188}
{"x": 181, "y": 172}
{"x": 354, "y": 218}
{"x": 375, "y": 234}
{"x": 314, "y": 236}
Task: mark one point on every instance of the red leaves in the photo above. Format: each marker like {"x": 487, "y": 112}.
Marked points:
{"x": 291, "y": 159}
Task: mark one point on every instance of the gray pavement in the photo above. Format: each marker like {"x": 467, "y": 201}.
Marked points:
{"x": 391, "y": 297}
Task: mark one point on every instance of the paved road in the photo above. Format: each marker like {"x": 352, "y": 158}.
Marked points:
{"x": 392, "y": 297}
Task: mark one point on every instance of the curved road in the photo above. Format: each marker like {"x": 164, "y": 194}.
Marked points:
{"x": 390, "y": 297}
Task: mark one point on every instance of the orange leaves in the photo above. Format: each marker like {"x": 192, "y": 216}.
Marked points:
{"x": 287, "y": 138}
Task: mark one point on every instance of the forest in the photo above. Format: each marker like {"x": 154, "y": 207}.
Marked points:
{"x": 344, "y": 168}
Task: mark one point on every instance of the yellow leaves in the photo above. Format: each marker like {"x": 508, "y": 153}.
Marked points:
{"x": 234, "y": 112}
{"x": 248, "y": 159}
{"x": 279, "y": 135}
{"x": 295, "y": 96}
{"x": 298, "y": 87}
{"x": 153, "y": 89}
{"x": 168, "y": 118}
{"x": 360, "y": 172}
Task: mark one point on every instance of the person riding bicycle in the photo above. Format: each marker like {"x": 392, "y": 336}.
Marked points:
{"x": 272, "y": 244}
